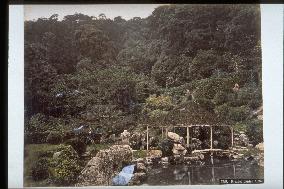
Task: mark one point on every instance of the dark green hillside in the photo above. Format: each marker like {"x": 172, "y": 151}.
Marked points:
{"x": 182, "y": 64}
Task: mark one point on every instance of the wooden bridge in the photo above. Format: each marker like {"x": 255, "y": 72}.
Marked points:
{"x": 211, "y": 149}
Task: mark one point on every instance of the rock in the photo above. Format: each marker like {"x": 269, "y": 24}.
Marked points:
{"x": 139, "y": 160}
{"x": 165, "y": 160}
{"x": 57, "y": 154}
{"x": 260, "y": 146}
{"x": 140, "y": 167}
{"x": 178, "y": 149}
{"x": 175, "y": 137}
{"x": 107, "y": 163}
{"x": 137, "y": 179}
{"x": 260, "y": 159}
{"x": 260, "y": 117}
{"x": 125, "y": 136}
{"x": 154, "y": 153}
{"x": 93, "y": 174}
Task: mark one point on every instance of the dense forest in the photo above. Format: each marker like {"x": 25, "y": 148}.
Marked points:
{"x": 184, "y": 64}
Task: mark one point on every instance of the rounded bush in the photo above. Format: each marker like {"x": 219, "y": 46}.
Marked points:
{"x": 40, "y": 169}
{"x": 78, "y": 144}
{"x": 166, "y": 147}
{"x": 54, "y": 138}
{"x": 65, "y": 168}
{"x": 35, "y": 137}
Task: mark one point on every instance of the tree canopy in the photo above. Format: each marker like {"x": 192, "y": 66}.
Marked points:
{"x": 179, "y": 65}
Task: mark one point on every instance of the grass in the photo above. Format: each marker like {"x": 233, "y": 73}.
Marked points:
{"x": 94, "y": 148}
{"x": 139, "y": 154}
{"x": 250, "y": 152}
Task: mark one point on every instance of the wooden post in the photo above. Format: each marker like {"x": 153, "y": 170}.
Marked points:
{"x": 166, "y": 132}
{"x": 232, "y": 136}
{"x": 162, "y": 132}
{"x": 187, "y": 136}
{"x": 211, "y": 138}
{"x": 234, "y": 170}
{"x": 147, "y": 138}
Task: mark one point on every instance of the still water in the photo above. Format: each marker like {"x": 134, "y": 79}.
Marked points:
{"x": 203, "y": 174}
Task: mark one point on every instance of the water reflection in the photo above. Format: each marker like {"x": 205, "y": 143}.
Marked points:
{"x": 209, "y": 173}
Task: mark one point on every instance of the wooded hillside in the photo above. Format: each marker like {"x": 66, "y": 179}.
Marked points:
{"x": 182, "y": 64}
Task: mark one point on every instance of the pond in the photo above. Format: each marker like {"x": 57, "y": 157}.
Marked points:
{"x": 203, "y": 174}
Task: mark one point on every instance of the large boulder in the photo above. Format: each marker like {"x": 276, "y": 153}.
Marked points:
{"x": 101, "y": 169}
{"x": 138, "y": 178}
{"x": 154, "y": 153}
{"x": 175, "y": 137}
{"x": 178, "y": 149}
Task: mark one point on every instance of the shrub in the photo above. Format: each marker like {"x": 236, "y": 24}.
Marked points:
{"x": 239, "y": 113}
{"x": 35, "y": 137}
{"x": 220, "y": 98}
{"x": 36, "y": 162}
{"x": 78, "y": 144}
{"x": 39, "y": 170}
{"x": 54, "y": 138}
{"x": 255, "y": 131}
{"x": 205, "y": 103}
{"x": 166, "y": 147}
{"x": 36, "y": 123}
{"x": 65, "y": 168}
{"x": 222, "y": 111}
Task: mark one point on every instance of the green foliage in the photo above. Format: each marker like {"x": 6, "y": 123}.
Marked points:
{"x": 255, "y": 131}
{"x": 40, "y": 169}
{"x": 157, "y": 108}
{"x": 65, "y": 169}
{"x": 54, "y": 138}
{"x": 239, "y": 113}
{"x": 203, "y": 64}
{"x": 179, "y": 65}
{"x": 37, "y": 157}
{"x": 220, "y": 98}
{"x": 166, "y": 147}
{"x": 139, "y": 154}
{"x": 78, "y": 143}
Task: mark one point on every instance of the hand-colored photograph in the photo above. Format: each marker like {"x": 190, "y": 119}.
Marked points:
{"x": 142, "y": 94}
